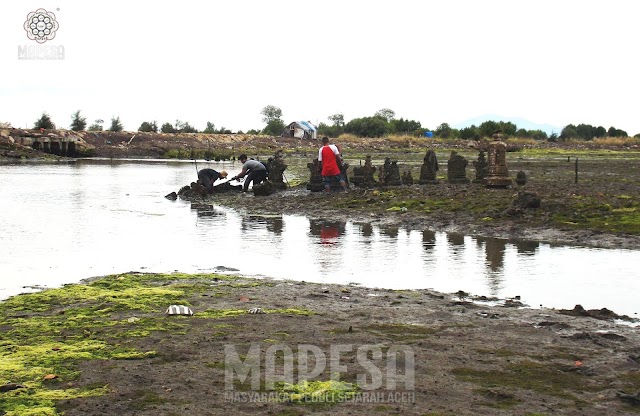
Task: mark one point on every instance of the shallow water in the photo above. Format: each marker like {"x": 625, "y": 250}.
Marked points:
{"x": 61, "y": 223}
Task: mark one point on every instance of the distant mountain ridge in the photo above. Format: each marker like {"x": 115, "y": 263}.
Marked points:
{"x": 521, "y": 123}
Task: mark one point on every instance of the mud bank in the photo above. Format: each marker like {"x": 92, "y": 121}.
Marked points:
{"x": 107, "y": 347}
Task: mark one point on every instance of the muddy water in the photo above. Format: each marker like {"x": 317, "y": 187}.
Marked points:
{"x": 65, "y": 222}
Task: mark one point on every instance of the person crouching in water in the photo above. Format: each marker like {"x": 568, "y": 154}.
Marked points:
{"x": 329, "y": 155}
{"x": 253, "y": 170}
{"x": 207, "y": 177}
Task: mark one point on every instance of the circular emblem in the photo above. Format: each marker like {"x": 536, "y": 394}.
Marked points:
{"x": 41, "y": 25}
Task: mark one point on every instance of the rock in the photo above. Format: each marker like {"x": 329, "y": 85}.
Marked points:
{"x": 172, "y": 196}
{"x": 526, "y": 200}
{"x": 11, "y": 386}
{"x": 632, "y": 399}
{"x": 521, "y": 178}
{"x": 263, "y": 189}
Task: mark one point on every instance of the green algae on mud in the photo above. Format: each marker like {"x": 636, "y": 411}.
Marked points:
{"x": 50, "y": 332}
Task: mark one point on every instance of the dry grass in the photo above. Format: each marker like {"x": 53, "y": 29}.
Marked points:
{"x": 617, "y": 141}
{"x": 348, "y": 138}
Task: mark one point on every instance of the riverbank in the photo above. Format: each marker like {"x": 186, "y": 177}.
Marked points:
{"x": 107, "y": 347}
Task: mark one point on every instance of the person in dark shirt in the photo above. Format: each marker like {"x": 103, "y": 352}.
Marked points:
{"x": 253, "y": 170}
{"x": 207, "y": 177}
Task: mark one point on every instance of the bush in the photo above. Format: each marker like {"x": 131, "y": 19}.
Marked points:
{"x": 148, "y": 127}
{"x": 78, "y": 123}
{"x": 116, "y": 125}
{"x": 44, "y": 122}
{"x": 367, "y": 127}
{"x": 168, "y": 128}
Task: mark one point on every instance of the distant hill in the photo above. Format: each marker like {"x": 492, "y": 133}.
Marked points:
{"x": 519, "y": 122}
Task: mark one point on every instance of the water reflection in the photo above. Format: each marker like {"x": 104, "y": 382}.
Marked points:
{"x": 273, "y": 224}
{"x": 365, "y": 230}
{"x": 527, "y": 247}
{"x": 428, "y": 240}
{"x": 98, "y": 209}
{"x": 328, "y": 231}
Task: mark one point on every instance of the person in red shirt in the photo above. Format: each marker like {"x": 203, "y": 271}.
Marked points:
{"x": 329, "y": 155}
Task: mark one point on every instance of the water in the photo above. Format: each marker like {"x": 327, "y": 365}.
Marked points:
{"x": 61, "y": 223}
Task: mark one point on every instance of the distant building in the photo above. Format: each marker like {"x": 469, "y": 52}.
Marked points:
{"x": 301, "y": 130}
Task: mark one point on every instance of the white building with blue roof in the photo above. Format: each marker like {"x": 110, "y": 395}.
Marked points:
{"x": 301, "y": 130}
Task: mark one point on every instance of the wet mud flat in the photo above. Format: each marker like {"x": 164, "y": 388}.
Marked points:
{"x": 107, "y": 347}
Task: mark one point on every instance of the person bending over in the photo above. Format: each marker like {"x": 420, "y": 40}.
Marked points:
{"x": 254, "y": 171}
{"x": 329, "y": 155}
{"x": 207, "y": 177}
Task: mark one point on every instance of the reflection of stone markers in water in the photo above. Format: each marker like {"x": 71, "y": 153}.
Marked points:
{"x": 457, "y": 169}
{"x": 363, "y": 175}
{"x": 498, "y": 174}
{"x": 481, "y": 168}
{"x": 429, "y": 168}
{"x": 315, "y": 183}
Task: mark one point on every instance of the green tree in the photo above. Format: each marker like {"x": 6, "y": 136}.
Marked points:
{"x": 44, "y": 122}
{"x": 568, "y": 132}
{"x": 274, "y": 127}
{"x": 585, "y": 131}
{"x": 168, "y": 128}
{"x": 148, "y": 127}
{"x": 187, "y": 128}
{"x": 470, "y": 133}
{"x": 386, "y": 113}
{"x": 97, "y": 125}
{"x": 405, "y": 126}
{"x": 211, "y": 129}
{"x": 336, "y": 120}
{"x": 367, "y": 126}
{"x": 78, "y": 123}
{"x": 443, "y": 131}
{"x": 488, "y": 128}
{"x": 613, "y": 132}
{"x": 116, "y": 125}
{"x": 538, "y": 134}
{"x": 271, "y": 113}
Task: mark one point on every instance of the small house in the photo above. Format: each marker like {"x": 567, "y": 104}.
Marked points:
{"x": 301, "y": 130}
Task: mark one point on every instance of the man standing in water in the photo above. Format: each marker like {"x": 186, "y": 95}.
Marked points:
{"x": 329, "y": 155}
{"x": 255, "y": 171}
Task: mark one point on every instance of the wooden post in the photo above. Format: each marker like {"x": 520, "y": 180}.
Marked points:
{"x": 576, "y": 181}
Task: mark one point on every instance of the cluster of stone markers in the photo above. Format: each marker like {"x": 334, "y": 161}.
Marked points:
{"x": 492, "y": 173}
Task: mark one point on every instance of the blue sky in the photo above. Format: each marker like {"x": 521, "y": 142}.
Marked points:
{"x": 552, "y": 62}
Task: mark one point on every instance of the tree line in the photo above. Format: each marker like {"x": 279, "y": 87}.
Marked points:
{"x": 382, "y": 123}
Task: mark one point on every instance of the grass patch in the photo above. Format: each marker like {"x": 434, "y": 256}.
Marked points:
{"x": 317, "y": 392}
{"x": 619, "y": 214}
{"x": 51, "y": 331}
